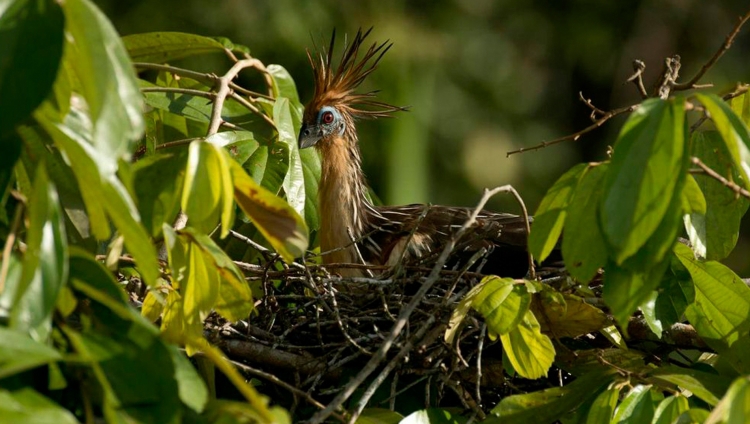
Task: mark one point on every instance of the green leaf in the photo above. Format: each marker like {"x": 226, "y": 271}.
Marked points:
{"x": 648, "y": 308}
{"x": 163, "y": 47}
{"x": 284, "y": 229}
{"x": 625, "y": 290}
{"x": 529, "y": 351}
{"x": 294, "y": 181}
{"x": 191, "y": 388}
{"x": 240, "y": 144}
{"x": 198, "y": 108}
{"x": 706, "y": 386}
{"x": 643, "y": 174}
{"x": 741, "y": 107}
{"x": 738, "y": 402}
{"x": 603, "y": 408}
{"x": 156, "y": 185}
{"x": 30, "y": 54}
{"x": 283, "y": 84}
{"x": 207, "y": 192}
{"x": 200, "y": 288}
{"x": 550, "y": 216}
{"x": 108, "y": 83}
{"x": 693, "y": 200}
{"x": 732, "y": 130}
{"x": 721, "y": 310}
{"x": 235, "y": 300}
{"x": 583, "y": 246}
{"x": 45, "y": 264}
{"x": 637, "y": 407}
{"x": 311, "y": 168}
{"x": 26, "y": 406}
{"x": 670, "y": 408}
{"x": 715, "y": 233}
{"x": 692, "y": 415}
{"x": 546, "y": 406}
{"x": 675, "y": 294}
{"x": 502, "y": 303}
{"x": 19, "y": 352}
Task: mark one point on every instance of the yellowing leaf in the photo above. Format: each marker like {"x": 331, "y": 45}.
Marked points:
{"x": 274, "y": 218}
{"x": 204, "y": 186}
{"x": 152, "y": 306}
{"x": 529, "y": 351}
{"x": 235, "y": 299}
{"x": 502, "y": 304}
{"x": 201, "y": 288}
{"x": 577, "y": 319}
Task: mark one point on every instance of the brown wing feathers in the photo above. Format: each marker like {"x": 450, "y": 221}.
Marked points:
{"x": 387, "y": 233}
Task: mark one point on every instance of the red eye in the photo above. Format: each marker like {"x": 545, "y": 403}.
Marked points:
{"x": 327, "y": 118}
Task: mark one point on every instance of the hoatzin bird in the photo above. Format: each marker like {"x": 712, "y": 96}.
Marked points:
{"x": 352, "y": 229}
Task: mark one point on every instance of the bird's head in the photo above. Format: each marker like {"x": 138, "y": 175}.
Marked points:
{"x": 335, "y": 104}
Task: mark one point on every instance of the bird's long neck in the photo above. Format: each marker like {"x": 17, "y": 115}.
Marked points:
{"x": 344, "y": 206}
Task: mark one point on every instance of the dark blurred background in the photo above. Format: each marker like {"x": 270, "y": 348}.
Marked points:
{"x": 482, "y": 77}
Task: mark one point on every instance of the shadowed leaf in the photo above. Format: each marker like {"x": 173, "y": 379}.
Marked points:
{"x": 163, "y": 47}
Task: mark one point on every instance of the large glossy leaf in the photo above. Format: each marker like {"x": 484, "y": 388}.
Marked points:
{"x": 294, "y": 180}
{"x": 103, "y": 195}
{"x": 274, "y": 218}
{"x": 715, "y": 233}
{"x": 583, "y": 246}
{"x": 529, "y": 351}
{"x": 733, "y": 131}
{"x": 546, "y": 406}
{"x": 163, "y": 47}
{"x": 550, "y": 216}
{"x": 721, "y": 311}
{"x": 643, "y": 174}
{"x": 108, "y": 81}
{"x": 26, "y": 406}
{"x": 311, "y": 168}
{"x": 30, "y": 53}
{"x": 45, "y": 264}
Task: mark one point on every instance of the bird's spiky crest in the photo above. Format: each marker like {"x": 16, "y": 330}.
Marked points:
{"x": 337, "y": 87}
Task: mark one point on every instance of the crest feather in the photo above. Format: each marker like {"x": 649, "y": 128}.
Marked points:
{"x": 338, "y": 86}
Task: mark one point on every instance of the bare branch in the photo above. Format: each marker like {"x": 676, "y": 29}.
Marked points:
{"x": 704, "y": 169}
{"x": 575, "y": 136}
{"x": 719, "y": 53}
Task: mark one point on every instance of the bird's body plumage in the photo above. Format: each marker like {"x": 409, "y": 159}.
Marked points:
{"x": 352, "y": 229}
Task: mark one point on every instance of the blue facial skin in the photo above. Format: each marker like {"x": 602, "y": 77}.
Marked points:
{"x": 309, "y": 135}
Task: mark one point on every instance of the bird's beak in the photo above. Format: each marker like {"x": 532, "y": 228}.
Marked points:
{"x": 309, "y": 135}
